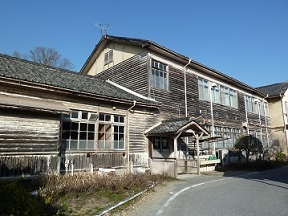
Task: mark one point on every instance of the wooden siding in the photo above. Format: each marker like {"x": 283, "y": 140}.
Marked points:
{"x": 172, "y": 102}
{"x": 138, "y": 123}
{"x": 22, "y": 132}
{"x": 82, "y": 161}
{"x": 131, "y": 73}
{"x": 27, "y": 165}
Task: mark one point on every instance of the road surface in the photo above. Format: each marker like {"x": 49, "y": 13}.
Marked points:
{"x": 258, "y": 193}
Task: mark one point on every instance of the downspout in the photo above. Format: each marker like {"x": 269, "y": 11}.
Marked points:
{"x": 266, "y": 118}
{"x": 127, "y": 136}
{"x": 284, "y": 121}
{"x": 186, "y": 106}
{"x": 246, "y": 115}
{"x": 185, "y": 87}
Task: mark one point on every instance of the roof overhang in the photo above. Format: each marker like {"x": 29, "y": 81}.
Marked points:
{"x": 181, "y": 127}
{"x": 27, "y": 103}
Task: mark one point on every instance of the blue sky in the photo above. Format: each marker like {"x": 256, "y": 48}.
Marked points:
{"x": 245, "y": 39}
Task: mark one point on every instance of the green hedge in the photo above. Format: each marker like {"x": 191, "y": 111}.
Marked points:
{"x": 15, "y": 200}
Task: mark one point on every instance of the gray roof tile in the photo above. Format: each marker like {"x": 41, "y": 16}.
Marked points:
{"x": 274, "y": 90}
{"x": 15, "y": 68}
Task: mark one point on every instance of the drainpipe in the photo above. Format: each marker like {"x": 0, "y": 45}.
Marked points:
{"x": 284, "y": 120}
{"x": 185, "y": 95}
{"x": 127, "y": 136}
{"x": 185, "y": 87}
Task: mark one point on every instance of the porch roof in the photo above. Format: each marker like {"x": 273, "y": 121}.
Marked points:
{"x": 184, "y": 126}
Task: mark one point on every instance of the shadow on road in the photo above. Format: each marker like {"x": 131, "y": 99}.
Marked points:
{"x": 276, "y": 176}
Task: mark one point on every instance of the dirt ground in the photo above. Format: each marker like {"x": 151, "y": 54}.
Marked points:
{"x": 144, "y": 201}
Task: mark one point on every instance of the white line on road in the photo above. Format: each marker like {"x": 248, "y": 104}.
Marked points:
{"x": 181, "y": 191}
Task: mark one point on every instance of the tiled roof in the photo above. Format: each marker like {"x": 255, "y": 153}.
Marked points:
{"x": 148, "y": 43}
{"x": 23, "y": 70}
{"x": 173, "y": 126}
{"x": 274, "y": 90}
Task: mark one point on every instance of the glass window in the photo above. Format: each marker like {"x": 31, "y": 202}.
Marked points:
{"x": 220, "y": 94}
{"x": 160, "y": 143}
{"x": 203, "y": 87}
{"x": 78, "y": 133}
{"x": 159, "y": 75}
{"x": 108, "y": 57}
{"x": 111, "y": 132}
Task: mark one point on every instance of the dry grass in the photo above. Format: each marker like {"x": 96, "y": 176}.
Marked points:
{"x": 84, "y": 194}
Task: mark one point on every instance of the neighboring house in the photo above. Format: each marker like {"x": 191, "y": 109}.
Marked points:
{"x": 277, "y": 97}
{"x": 226, "y": 107}
{"x": 61, "y": 121}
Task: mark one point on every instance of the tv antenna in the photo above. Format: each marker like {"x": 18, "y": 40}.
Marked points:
{"x": 103, "y": 28}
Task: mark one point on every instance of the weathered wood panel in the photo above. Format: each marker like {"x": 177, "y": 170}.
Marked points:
{"x": 138, "y": 123}
{"x": 28, "y": 132}
{"x": 27, "y": 165}
{"x": 82, "y": 161}
{"x": 131, "y": 73}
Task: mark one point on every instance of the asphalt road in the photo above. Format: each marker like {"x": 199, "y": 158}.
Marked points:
{"x": 259, "y": 193}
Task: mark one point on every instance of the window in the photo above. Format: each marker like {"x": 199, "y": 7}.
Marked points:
{"x": 220, "y": 94}
{"x": 256, "y": 106}
{"x": 108, "y": 57}
{"x": 160, "y": 144}
{"x": 78, "y": 130}
{"x": 159, "y": 74}
{"x": 111, "y": 134}
{"x": 203, "y": 86}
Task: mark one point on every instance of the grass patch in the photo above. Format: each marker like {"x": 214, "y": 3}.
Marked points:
{"x": 80, "y": 194}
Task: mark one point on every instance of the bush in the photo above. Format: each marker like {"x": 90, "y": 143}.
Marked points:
{"x": 16, "y": 200}
{"x": 280, "y": 157}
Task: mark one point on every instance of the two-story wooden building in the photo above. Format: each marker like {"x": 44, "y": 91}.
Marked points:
{"x": 225, "y": 106}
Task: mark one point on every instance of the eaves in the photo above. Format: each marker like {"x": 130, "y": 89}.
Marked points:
{"x": 59, "y": 90}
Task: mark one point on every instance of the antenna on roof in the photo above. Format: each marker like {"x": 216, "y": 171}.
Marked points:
{"x": 103, "y": 28}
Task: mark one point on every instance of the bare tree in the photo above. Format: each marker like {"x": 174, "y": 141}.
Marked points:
{"x": 46, "y": 56}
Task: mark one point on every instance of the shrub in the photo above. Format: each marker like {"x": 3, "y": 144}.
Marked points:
{"x": 16, "y": 200}
{"x": 280, "y": 157}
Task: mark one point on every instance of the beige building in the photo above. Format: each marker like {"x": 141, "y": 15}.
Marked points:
{"x": 277, "y": 97}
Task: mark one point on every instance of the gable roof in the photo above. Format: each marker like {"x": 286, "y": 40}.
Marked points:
{"x": 158, "y": 48}
{"x": 176, "y": 126}
{"x": 16, "y": 69}
{"x": 274, "y": 90}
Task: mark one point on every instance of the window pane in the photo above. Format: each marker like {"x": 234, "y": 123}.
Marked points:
{"x": 74, "y": 126}
{"x": 73, "y": 144}
{"x": 74, "y": 114}
{"x": 83, "y": 127}
{"x": 91, "y": 136}
{"x": 121, "y": 129}
{"x": 74, "y": 135}
{"x": 83, "y": 136}
{"x": 101, "y": 117}
{"x": 90, "y": 144}
{"x": 121, "y": 145}
{"x": 84, "y": 115}
{"x": 91, "y": 127}
{"x": 82, "y": 144}
{"x": 101, "y": 145}
{"x": 116, "y": 145}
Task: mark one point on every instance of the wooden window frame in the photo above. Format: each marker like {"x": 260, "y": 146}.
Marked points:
{"x": 78, "y": 131}
{"x": 114, "y": 139}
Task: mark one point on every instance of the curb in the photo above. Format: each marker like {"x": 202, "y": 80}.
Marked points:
{"x": 124, "y": 201}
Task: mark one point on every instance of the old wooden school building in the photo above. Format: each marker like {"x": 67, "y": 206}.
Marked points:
{"x": 135, "y": 105}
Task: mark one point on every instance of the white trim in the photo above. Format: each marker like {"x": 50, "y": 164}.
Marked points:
{"x": 130, "y": 91}
{"x": 201, "y": 74}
